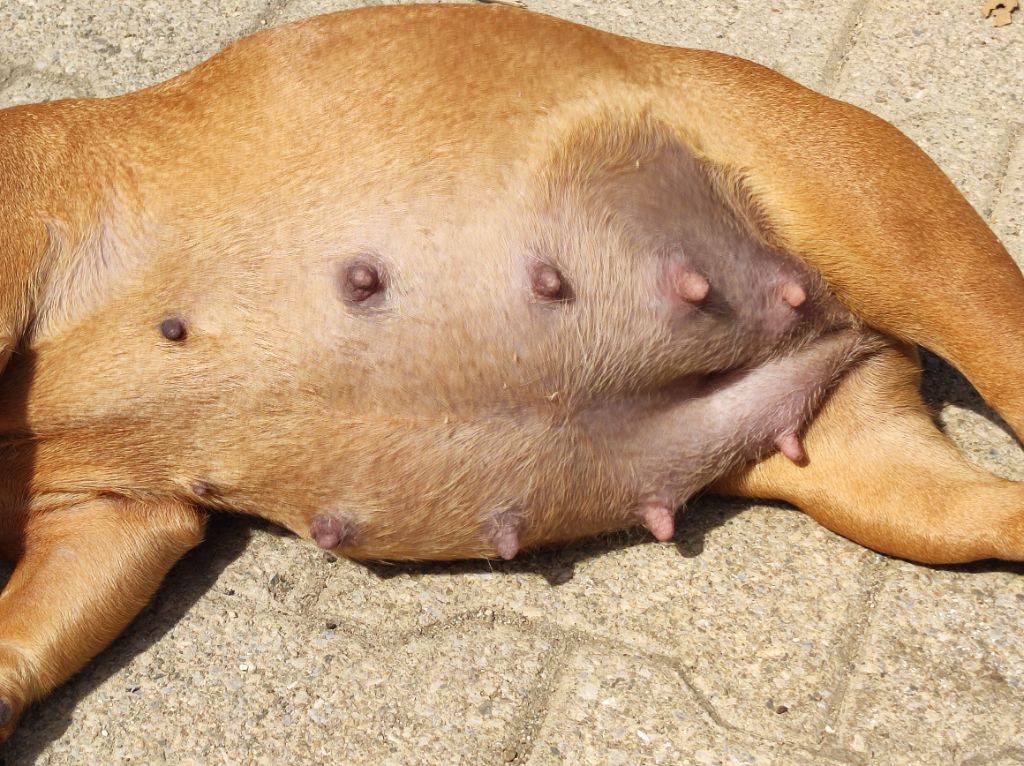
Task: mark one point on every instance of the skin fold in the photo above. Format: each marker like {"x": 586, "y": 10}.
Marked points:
{"x": 416, "y": 299}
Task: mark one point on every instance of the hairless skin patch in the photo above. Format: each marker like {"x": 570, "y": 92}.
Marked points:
{"x": 332, "y": 531}
{"x": 202, "y": 489}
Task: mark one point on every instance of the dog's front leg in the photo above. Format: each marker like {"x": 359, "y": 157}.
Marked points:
{"x": 881, "y": 473}
{"x": 85, "y": 571}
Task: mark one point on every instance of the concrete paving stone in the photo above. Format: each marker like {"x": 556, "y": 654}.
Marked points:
{"x": 34, "y": 87}
{"x": 295, "y": 10}
{"x": 792, "y": 36}
{"x": 757, "y": 616}
{"x": 947, "y": 78}
{"x": 265, "y": 688}
{"x": 275, "y": 570}
{"x": 1015, "y": 758}
{"x": 975, "y": 431}
{"x": 458, "y": 694}
{"x": 969, "y": 421}
{"x": 174, "y": 698}
{"x": 941, "y": 54}
{"x": 121, "y": 46}
{"x": 941, "y": 675}
{"x": 1008, "y": 210}
{"x": 610, "y": 708}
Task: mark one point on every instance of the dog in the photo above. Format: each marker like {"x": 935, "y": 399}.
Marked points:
{"x": 414, "y": 300}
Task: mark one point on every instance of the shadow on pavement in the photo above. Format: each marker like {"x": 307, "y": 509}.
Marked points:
{"x": 943, "y": 384}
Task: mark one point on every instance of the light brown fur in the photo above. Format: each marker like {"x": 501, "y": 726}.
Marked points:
{"x": 228, "y": 196}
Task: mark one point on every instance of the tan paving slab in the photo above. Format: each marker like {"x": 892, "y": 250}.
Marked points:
{"x": 977, "y": 430}
{"x": 121, "y": 46}
{"x": 271, "y": 569}
{"x": 260, "y": 687}
{"x": 621, "y": 710}
{"x": 970, "y": 423}
{"x": 946, "y": 54}
{"x": 1008, "y": 210}
{"x": 219, "y": 686}
{"x": 941, "y": 675}
{"x": 1014, "y": 758}
{"x": 26, "y": 86}
{"x": 757, "y": 618}
{"x": 946, "y": 77}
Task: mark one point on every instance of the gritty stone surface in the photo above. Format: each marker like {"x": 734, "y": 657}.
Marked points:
{"x": 756, "y": 637}
{"x": 1012, "y": 755}
{"x": 617, "y": 709}
{"x": 121, "y": 46}
{"x": 944, "y": 653}
{"x": 30, "y": 87}
{"x": 273, "y": 571}
{"x": 743, "y": 634}
{"x": 1008, "y": 210}
{"x": 284, "y": 688}
{"x": 962, "y": 118}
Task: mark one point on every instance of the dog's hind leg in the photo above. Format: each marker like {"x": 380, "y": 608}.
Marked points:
{"x": 85, "y": 572}
{"x": 881, "y": 473}
{"x": 857, "y": 200}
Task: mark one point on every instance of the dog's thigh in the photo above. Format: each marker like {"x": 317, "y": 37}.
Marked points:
{"x": 857, "y": 200}
{"x": 881, "y": 473}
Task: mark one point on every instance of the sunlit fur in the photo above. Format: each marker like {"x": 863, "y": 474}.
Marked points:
{"x": 463, "y": 413}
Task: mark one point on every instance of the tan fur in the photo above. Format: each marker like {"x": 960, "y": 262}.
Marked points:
{"x": 230, "y": 194}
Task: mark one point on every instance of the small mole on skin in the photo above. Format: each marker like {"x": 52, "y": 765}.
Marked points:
{"x": 547, "y": 283}
{"x": 173, "y": 328}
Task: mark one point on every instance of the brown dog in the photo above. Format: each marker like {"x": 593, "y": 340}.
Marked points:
{"x": 437, "y": 301}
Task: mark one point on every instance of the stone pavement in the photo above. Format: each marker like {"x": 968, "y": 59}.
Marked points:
{"x": 758, "y": 638}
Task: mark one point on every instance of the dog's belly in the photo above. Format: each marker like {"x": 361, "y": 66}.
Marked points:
{"x": 472, "y": 432}
{"x": 527, "y": 354}
{"x": 489, "y": 481}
